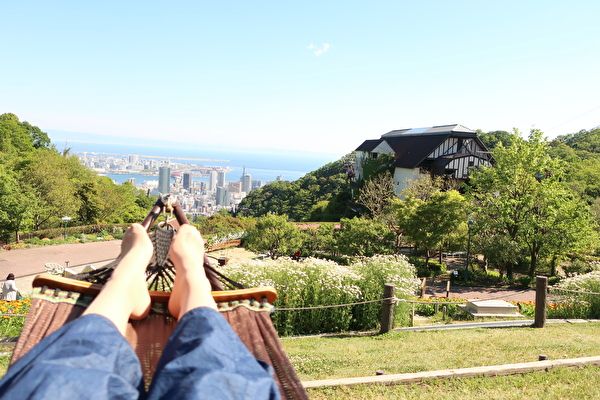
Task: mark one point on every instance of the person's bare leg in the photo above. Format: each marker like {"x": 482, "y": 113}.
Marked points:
{"x": 125, "y": 295}
{"x": 191, "y": 288}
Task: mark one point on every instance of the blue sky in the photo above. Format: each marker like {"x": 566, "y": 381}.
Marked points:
{"x": 304, "y": 76}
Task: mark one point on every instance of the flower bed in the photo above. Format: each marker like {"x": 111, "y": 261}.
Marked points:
{"x": 11, "y": 324}
{"x": 316, "y": 282}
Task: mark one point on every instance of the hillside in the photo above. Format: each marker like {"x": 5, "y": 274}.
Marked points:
{"x": 39, "y": 185}
{"x": 320, "y": 195}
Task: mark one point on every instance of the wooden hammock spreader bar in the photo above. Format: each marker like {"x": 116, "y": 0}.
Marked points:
{"x": 73, "y": 285}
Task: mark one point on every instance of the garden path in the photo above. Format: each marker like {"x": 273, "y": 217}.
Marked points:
{"x": 438, "y": 289}
{"x": 27, "y": 263}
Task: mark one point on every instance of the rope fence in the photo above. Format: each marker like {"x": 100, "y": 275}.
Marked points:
{"x": 583, "y": 292}
{"x": 394, "y": 300}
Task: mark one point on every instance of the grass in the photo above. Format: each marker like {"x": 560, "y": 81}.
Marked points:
{"x": 560, "y": 383}
{"x": 398, "y": 352}
{"x": 5, "y": 354}
{"x": 320, "y": 358}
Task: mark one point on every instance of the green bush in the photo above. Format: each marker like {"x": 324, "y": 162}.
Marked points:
{"x": 274, "y": 235}
{"x": 74, "y": 230}
{"x": 580, "y": 298}
{"x": 426, "y": 307}
{"x": 524, "y": 281}
{"x": 478, "y": 276}
{"x": 435, "y": 268}
{"x": 364, "y": 237}
{"x": 313, "y": 282}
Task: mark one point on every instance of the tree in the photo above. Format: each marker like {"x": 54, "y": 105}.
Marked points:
{"x": 275, "y": 235}
{"x": 375, "y": 194}
{"x": 14, "y": 136}
{"x": 364, "y": 237}
{"x": 521, "y": 199}
{"x": 434, "y": 222}
{"x": 423, "y": 188}
{"x": 493, "y": 138}
{"x": 397, "y": 214}
{"x": 16, "y": 205}
{"x": 304, "y": 198}
{"x": 48, "y": 174}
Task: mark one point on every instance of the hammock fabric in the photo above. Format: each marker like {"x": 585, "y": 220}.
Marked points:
{"x": 57, "y": 300}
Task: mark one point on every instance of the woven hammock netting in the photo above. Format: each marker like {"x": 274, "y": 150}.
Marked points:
{"x": 53, "y": 305}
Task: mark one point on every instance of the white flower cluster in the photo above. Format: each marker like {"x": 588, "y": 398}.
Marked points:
{"x": 325, "y": 281}
{"x": 589, "y": 282}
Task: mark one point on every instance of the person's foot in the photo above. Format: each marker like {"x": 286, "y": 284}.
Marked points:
{"x": 191, "y": 288}
{"x": 136, "y": 251}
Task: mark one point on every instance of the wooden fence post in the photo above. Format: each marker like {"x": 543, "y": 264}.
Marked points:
{"x": 448, "y": 288}
{"x": 541, "y": 288}
{"x": 387, "y": 309}
{"x": 412, "y": 315}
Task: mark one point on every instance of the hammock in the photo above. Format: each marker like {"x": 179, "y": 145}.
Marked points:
{"x": 57, "y": 300}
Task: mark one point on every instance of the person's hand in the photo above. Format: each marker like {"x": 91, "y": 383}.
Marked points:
{"x": 187, "y": 246}
{"x": 136, "y": 241}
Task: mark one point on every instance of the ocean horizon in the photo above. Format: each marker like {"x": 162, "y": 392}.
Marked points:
{"x": 265, "y": 166}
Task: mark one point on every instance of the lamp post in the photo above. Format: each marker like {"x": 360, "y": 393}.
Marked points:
{"x": 469, "y": 225}
{"x": 65, "y": 221}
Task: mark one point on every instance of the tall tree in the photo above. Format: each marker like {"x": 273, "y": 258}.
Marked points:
{"x": 521, "y": 198}
{"x": 376, "y": 193}
{"x": 48, "y": 174}
{"x": 436, "y": 221}
{"x": 275, "y": 235}
{"x": 17, "y": 203}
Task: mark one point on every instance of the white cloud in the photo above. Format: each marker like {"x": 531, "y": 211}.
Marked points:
{"x": 319, "y": 50}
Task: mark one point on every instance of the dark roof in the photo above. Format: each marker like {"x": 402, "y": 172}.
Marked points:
{"x": 431, "y": 130}
{"x": 412, "y": 146}
{"x": 412, "y": 149}
{"x": 368, "y": 145}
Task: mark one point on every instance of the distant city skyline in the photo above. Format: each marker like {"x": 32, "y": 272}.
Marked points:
{"x": 300, "y": 77}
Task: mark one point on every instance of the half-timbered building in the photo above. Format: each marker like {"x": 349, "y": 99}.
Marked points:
{"x": 450, "y": 151}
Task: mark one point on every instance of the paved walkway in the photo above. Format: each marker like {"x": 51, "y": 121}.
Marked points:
{"x": 27, "y": 263}
{"x": 482, "y": 293}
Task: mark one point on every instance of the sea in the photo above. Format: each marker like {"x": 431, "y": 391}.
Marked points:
{"x": 266, "y": 166}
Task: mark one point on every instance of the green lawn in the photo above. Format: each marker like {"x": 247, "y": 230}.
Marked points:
{"x": 321, "y": 358}
{"x": 557, "y": 384}
{"x": 5, "y": 353}
{"x": 398, "y": 352}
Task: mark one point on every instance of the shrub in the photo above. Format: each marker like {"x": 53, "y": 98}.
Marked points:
{"x": 375, "y": 272}
{"x": 73, "y": 230}
{"x": 364, "y": 237}
{"x": 478, "y": 276}
{"x": 275, "y": 235}
{"x": 426, "y": 307}
{"x": 524, "y": 281}
{"x": 310, "y": 282}
{"x": 435, "y": 268}
{"x": 580, "y": 299}
{"x": 313, "y": 282}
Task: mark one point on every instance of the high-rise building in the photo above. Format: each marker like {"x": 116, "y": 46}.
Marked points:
{"x": 234, "y": 187}
{"x": 221, "y": 178}
{"x": 203, "y": 186}
{"x": 133, "y": 158}
{"x": 222, "y": 197}
{"x": 187, "y": 180}
{"x": 246, "y": 183}
{"x": 164, "y": 180}
{"x": 257, "y": 184}
{"x": 212, "y": 181}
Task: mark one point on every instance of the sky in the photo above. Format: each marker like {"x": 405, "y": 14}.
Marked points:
{"x": 307, "y": 76}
